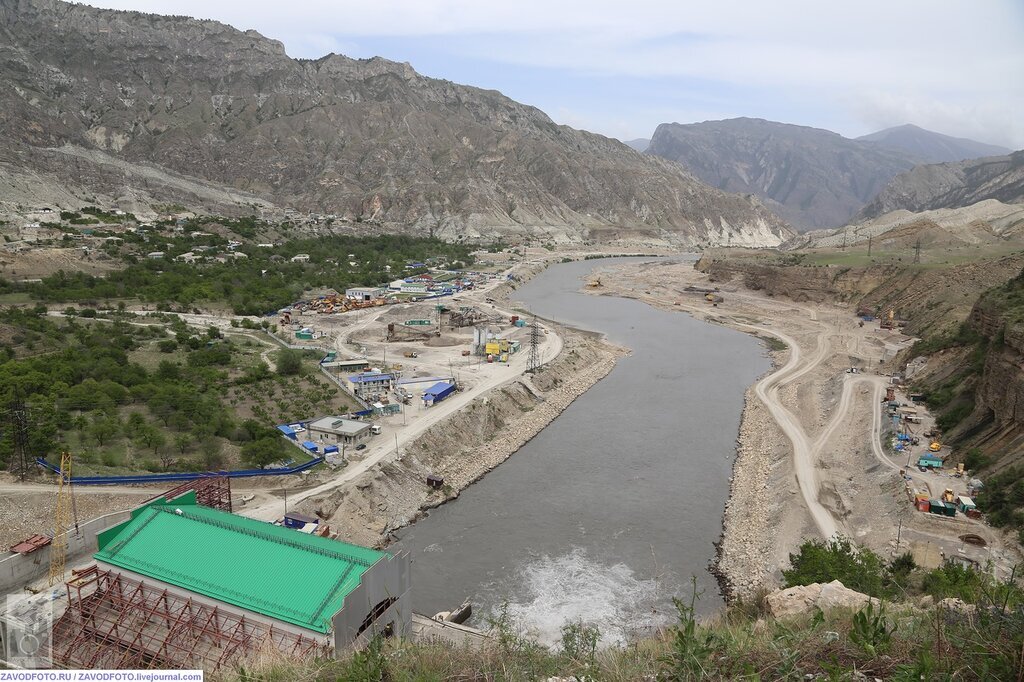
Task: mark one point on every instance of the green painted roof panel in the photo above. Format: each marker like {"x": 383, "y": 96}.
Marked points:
{"x": 278, "y": 572}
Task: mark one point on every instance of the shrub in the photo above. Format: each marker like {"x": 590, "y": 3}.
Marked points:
{"x": 838, "y": 559}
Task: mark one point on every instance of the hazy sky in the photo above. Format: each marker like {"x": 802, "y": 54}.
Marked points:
{"x": 621, "y": 68}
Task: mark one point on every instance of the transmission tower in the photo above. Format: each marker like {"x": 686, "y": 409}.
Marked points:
{"x": 62, "y": 520}
{"x": 869, "y": 246}
{"x": 917, "y": 251}
{"x": 533, "y": 361}
{"x": 17, "y": 420}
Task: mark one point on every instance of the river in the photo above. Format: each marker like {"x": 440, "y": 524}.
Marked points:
{"x": 604, "y": 515}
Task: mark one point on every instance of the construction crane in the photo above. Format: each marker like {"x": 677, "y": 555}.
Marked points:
{"x": 65, "y": 515}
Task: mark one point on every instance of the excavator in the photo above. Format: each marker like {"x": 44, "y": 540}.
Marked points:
{"x": 935, "y": 446}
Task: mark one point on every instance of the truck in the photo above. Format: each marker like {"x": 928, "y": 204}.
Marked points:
{"x": 376, "y": 429}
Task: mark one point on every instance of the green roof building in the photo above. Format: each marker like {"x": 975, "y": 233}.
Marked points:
{"x": 314, "y": 586}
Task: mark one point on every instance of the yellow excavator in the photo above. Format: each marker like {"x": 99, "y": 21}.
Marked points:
{"x": 935, "y": 446}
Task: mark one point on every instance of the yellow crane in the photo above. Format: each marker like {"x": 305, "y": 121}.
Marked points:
{"x": 63, "y": 518}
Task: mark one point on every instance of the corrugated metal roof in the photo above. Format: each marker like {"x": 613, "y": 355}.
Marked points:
{"x": 437, "y": 388}
{"x": 274, "y": 571}
{"x": 367, "y": 378}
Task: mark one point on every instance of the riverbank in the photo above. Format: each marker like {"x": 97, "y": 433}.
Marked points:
{"x": 785, "y": 477}
{"x": 469, "y": 443}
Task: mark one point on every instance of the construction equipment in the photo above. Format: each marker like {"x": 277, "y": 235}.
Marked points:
{"x": 594, "y": 283}
{"x": 63, "y": 518}
{"x": 411, "y": 354}
{"x": 935, "y": 446}
{"x": 947, "y": 495}
{"x": 889, "y": 321}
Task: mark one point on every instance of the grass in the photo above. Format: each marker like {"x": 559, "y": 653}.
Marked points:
{"x": 892, "y": 643}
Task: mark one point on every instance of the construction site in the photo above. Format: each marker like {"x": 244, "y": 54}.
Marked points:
{"x": 834, "y": 433}
{"x": 158, "y": 585}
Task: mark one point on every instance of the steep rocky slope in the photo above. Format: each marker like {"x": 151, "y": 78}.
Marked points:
{"x": 929, "y": 146}
{"x": 952, "y": 185}
{"x": 988, "y": 223}
{"x": 813, "y": 178}
{"x": 369, "y": 140}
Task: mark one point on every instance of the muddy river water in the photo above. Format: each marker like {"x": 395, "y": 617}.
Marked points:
{"x": 605, "y": 515}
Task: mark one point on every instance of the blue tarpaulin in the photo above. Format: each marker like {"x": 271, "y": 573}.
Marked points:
{"x": 330, "y": 448}
{"x": 309, "y": 445}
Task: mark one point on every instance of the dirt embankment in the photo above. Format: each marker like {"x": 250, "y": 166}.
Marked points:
{"x": 932, "y": 299}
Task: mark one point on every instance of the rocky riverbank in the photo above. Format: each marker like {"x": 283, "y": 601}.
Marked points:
{"x": 746, "y": 561}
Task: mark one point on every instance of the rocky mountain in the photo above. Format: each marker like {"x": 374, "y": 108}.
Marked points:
{"x": 104, "y": 100}
{"x": 640, "y": 144}
{"x": 813, "y": 178}
{"x": 952, "y": 185}
{"x": 931, "y": 147}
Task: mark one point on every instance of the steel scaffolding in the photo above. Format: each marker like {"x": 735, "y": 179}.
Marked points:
{"x": 116, "y": 622}
{"x": 211, "y": 491}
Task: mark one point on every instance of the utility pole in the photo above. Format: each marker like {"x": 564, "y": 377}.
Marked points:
{"x": 533, "y": 361}
{"x": 17, "y": 419}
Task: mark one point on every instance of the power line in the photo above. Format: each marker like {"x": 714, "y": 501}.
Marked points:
{"x": 533, "y": 361}
{"x": 17, "y": 419}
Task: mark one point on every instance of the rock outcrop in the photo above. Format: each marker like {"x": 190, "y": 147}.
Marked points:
{"x": 804, "y": 599}
{"x": 952, "y": 185}
{"x": 367, "y": 140}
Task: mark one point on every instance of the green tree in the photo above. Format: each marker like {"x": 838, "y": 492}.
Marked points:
{"x": 260, "y": 453}
{"x": 104, "y": 428}
{"x": 210, "y": 449}
{"x": 857, "y": 568}
{"x": 182, "y": 441}
{"x": 289, "y": 362}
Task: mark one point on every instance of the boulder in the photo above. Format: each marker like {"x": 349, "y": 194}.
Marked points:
{"x": 835, "y": 595}
{"x": 956, "y": 610}
{"x": 803, "y": 599}
{"x": 792, "y": 601}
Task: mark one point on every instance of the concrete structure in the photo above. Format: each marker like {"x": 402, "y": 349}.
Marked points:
{"x": 365, "y": 293}
{"x": 337, "y": 430}
{"x": 18, "y": 570}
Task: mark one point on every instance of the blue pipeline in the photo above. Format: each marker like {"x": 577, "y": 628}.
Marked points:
{"x": 185, "y": 476}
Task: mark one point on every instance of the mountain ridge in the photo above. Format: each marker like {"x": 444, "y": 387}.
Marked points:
{"x": 370, "y": 140}
{"x": 951, "y": 185}
{"x": 930, "y": 146}
{"x": 812, "y": 177}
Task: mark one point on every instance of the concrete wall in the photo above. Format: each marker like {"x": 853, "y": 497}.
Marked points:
{"x": 389, "y": 577}
{"x": 17, "y": 570}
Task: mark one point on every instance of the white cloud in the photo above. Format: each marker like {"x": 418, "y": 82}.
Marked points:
{"x": 956, "y": 63}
